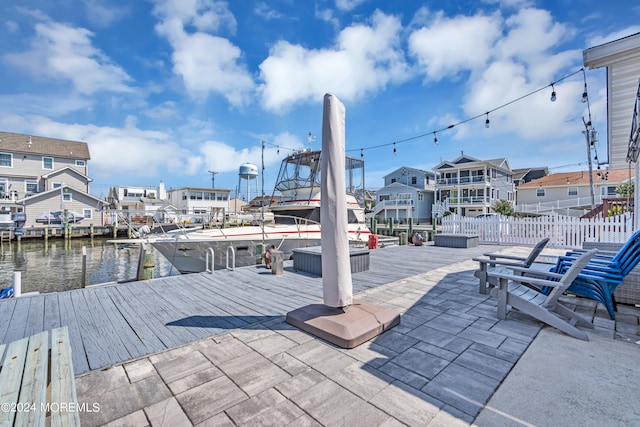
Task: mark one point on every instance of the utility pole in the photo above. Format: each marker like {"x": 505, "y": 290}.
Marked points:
{"x": 589, "y": 134}
{"x": 213, "y": 178}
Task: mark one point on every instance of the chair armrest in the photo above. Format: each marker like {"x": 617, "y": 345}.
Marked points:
{"x": 496, "y": 262}
{"x": 510, "y": 257}
{"x": 524, "y": 279}
{"x": 531, "y": 272}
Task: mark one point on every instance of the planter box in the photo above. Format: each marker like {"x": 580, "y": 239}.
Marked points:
{"x": 309, "y": 259}
{"x": 456, "y": 240}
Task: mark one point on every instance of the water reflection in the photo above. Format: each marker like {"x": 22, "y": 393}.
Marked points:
{"x": 56, "y": 265}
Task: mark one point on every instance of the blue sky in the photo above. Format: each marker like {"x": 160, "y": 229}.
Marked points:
{"x": 171, "y": 89}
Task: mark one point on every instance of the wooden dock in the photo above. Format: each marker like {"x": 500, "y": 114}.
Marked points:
{"x": 112, "y": 324}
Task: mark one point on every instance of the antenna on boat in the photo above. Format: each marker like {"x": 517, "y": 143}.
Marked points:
{"x": 310, "y": 139}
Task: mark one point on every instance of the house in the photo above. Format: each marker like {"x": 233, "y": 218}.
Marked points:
{"x": 622, "y": 61}
{"x": 524, "y": 175}
{"x": 470, "y": 187}
{"x": 140, "y": 202}
{"x": 407, "y": 193}
{"x": 569, "y": 193}
{"x": 212, "y": 203}
{"x": 47, "y": 207}
{"x": 39, "y": 175}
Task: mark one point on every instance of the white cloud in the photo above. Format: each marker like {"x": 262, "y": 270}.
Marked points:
{"x": 602, "y": 39}
{"x": 206, "y": 63}
{"x": 348, "y": 5}
{"x": 62, "y": 52}
{"x": 364, "y": 60}
{"x": 103, "y": 15}
{"x": 448, "y": 46}
{"x": 11, "y": 26}
{"x": 263, "y": 10}
{"x": 222, "y": 157}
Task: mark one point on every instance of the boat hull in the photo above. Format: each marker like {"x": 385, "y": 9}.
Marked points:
{"x": 187, "y": 253}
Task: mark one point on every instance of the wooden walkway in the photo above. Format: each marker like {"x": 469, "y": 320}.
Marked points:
{"x": 112, "y": 324}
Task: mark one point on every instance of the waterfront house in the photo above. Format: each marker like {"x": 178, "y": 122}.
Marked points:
{"x": 39, "y": 175}
{"x": 470, "y": 186}
{"x": 524, "y": 175}
{"x": 208, "y": 204}
{"x": 621, "y": 58}
{"x": 569, "y": 193}
{"x": 407, "y": 193}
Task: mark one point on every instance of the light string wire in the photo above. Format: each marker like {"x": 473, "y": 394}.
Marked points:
{"x": 486, "y": 113}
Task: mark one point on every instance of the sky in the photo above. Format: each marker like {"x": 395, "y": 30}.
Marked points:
{"x": 172, "y": 90}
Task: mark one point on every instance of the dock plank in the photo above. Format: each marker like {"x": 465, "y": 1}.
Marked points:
{"x": 6, "y": 312}
{"x": 35, "y": 319}
{"x": 18, "y": 322}
{"x": 68, "y": 318}
{"x": 51, "y": 311}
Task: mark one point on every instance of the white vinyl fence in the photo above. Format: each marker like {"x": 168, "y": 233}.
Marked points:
{"x": 563, "y": 231}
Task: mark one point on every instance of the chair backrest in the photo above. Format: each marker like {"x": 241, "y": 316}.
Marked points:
{"x": 568, "y": 278}
{"x": 537, "y": 249}
{"x": 628, "y": 247}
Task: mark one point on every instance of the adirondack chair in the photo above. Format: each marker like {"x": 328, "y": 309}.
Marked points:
{"x": 505, "y": 261}
{"x": 513, "y": 290}
{"x": 604, "y": 273}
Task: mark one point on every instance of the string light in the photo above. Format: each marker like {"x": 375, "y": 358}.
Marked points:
{"x": 486, "y": 114}
{"x": 585, "y": 96}
{"x": 394, "y": 149}
{"x": 362, "y": 153}
{"x": 435, "y": 138}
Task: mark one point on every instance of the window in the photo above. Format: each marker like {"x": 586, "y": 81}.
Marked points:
{"x": 420, "y": 197}
{"x": 30, "y": 186}
{"x": 47, "y": 163}
{"x": 67, "y": 197}
{"x": 88, "y": 213}
{"x": 414, "y": 180}
{"x": 393, "y": 180}
{"x": 540, "y": 192}
{"x": 384, "y": 197}
{"x": 6, "y": 160}
{"x": 56, "y": 184}
{"x": 572, "y": 191}
{"x": 222, "y": 197}
{"x": 80, "y": 163}
{"x": 608, "y": 191}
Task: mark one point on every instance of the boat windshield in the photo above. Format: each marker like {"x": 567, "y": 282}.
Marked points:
{"x": 293, "y": 216}
{"x": 302, "y": 170}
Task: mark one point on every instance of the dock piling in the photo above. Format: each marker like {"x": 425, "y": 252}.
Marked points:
{"x": 84, "y": 266}
{"x": 17, "y": 284}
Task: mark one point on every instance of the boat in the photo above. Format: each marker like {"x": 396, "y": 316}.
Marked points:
{"x": 294, "y": 222}
{"x": 6, "y": 223}
{"x": 58, "y": 217}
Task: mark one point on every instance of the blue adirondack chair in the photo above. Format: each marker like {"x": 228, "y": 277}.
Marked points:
{"x": 602, "y": 275}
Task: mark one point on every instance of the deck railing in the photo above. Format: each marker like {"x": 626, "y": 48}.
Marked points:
{"x": 563, "y": 231}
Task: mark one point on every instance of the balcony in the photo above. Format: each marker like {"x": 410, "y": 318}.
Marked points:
{"x": 471, "y": 200}
{"x": 463, "y": 180}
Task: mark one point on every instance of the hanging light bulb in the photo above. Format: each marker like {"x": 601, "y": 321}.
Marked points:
{"x": 361, "y": 153}
{"x": 486, "y": 122}
{"x": 553, "y": 93}
{"x": 585, "y": 96}
{"x": 394, "y": 149}
{"x": 435, "y": 139}
{"x": 278, "y": 150}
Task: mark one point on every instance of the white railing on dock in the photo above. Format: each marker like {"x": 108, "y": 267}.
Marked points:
{"x": 209, "y": 265}
{"x": 233, "y": 258}
{"x": 561, "y": 230}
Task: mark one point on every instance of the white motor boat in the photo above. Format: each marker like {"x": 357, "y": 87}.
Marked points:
{"x": 295, "y": 222}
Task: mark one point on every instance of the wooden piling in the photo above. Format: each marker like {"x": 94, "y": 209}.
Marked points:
{"x": 84, "y": 266}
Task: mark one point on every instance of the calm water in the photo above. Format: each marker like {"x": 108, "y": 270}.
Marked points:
{"x": 57, "y": 265}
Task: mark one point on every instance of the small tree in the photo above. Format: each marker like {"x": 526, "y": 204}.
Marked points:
{"x": 503, "y": 207}
{"x": 625, "y": 190}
